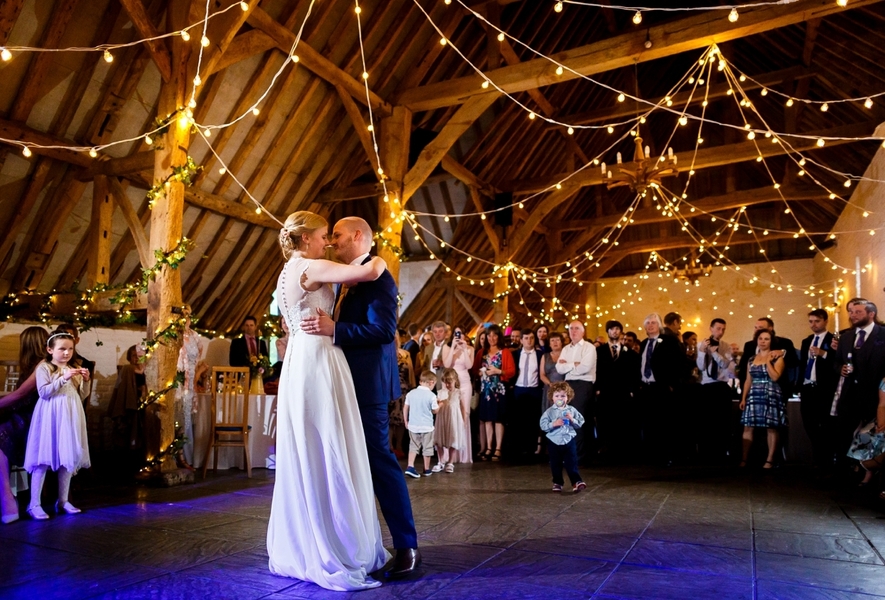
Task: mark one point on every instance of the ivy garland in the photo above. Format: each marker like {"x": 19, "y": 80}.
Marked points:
{"x": 183, "y": 173}
{"x": 127, "y": 295}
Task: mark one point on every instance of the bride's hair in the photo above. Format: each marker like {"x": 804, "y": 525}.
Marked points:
{"x": 298, "y": 223}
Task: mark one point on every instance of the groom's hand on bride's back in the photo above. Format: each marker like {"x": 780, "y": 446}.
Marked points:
{"x": 321, "y": 324}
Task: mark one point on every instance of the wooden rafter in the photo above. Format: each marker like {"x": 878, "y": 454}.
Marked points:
{"x": 146, "y": 29}
{"x": 624, "y": 50}
{"x": 136, "y": 229}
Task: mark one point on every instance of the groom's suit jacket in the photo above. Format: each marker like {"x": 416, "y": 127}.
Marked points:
{"x": 366, "y": 332}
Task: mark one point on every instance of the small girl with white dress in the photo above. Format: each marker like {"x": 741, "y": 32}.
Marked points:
{"x": 448, "y": 433}
{"x": 57, "y": 438}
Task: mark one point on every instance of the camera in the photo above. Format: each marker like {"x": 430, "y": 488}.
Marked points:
{"x": 458, "y": 335}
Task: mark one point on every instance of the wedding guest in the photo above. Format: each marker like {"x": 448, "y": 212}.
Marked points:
{"x": 461, "y": 360}
{"x": 819, "y": 381}
{"x": 762, "y": 404}
{"x": 413, "y": 345}
{"x": 497, "y": 370}
{"x": 560, "y": 422}
{"x": 690, "y": 341}
{"x": 779, "y": 345}
{"x": 16, "y": 410}
{"x": 859, "y": 397}
{"x": 549, "y": 375}
{"x": 478, "y": 349}
{"x": 436, "y": 354}
{"x": 448, "y": 433}
{"x": 426, "y": 341}
{"x": 617, "y": 380}
{"x": 526, "y": 395}
{"x": 248, "y": 345}
{"x": 542, "y": 334}
{"x": 130, "y": 390}
{"x": 282, "y": 343}
{"x": 78, "y": 358}
{"x": 713, "y": 405}
{"x": 660, "y": 362}
{"x": 631, "y": 340}
{"x": 418, "y": 410}
{"x": 515, "y": 338}
{"x": 57, "y": 437}
{"x": 868, "y": 445}
{"x": 578, "y": 363}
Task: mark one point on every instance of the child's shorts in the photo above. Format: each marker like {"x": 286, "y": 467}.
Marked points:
{"x": 422, "y": 442}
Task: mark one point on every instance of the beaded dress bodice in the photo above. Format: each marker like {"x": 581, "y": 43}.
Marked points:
{"x": 294, "y": 301}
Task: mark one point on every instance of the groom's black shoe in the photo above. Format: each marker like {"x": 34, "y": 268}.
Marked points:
{"x": 405, "y": 562}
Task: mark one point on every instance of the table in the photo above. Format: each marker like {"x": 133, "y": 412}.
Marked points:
{"x": 262, "y": 436}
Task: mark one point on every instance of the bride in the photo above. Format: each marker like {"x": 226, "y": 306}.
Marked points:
{"x": 323, "y": 524}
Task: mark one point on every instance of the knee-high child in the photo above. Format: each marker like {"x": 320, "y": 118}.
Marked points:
{"x": 57, "y": 437}
{"x": 418, "y": 411}
{"x": 559, "y": 422}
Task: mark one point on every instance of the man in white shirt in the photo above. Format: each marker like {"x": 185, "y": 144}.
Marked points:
{"x": 716, "y": 365}
{"x": 527, "y": 401}
{"x": 437, "y": 352}
{"x": 577, "y": 362}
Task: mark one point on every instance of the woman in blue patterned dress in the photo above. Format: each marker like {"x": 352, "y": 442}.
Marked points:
{"x": 497, "y": 368}
{"x": 762, "y": 404}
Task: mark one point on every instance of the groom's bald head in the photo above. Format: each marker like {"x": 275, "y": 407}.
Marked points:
{"x": 351, "y": 237}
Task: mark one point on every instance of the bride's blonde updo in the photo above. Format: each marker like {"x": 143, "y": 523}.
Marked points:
{"x": 298, "y": 223}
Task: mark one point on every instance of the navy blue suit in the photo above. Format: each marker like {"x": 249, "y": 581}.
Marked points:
{"x": 366, "y": 331}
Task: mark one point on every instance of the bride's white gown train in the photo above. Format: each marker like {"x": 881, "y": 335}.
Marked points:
{"x": 323, "y": 523}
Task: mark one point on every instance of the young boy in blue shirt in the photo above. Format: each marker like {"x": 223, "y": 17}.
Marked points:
{"x": 560, "y": 422}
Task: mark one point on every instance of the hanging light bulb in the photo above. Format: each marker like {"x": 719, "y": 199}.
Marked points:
{"x": 559, "y": 70}
{"x": 789, "y": 102}
{"x": 365, "y": 75}
{"x": 637, "y": 18}
{"x": 148, "y": 140}
{"x": 443, "y": 41}
{"x": 557, "y": 7}
{"x": 108, "y": 57}
{"x": 683, "y": 120}
{"x": 204, "y": 42}
{"x": 255, "y": 111}
{"x": 198, "y": 81}
{"x": 244, "y": 6}
{"x": 621, "y": 97}
{"x": 733, "y": 15}
{"x": 93, "y": 152}
{"x": 868, "y": 103}
{"x": 485, "y": 84}
{"x": 26, "y": 152}
{"x": 501, "y": 37}
{"x": 842, "y": 2}
{"x": 820, "y": 143}
{"x": 5, "y": 54}
{"x": 185, "y": 35}
{"x": 222, "y": 171}
{"x": 295, "y": 58}
{"x": 824, "y": 107}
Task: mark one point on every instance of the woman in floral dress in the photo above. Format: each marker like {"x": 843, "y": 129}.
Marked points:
{"x": 497, "y": 368}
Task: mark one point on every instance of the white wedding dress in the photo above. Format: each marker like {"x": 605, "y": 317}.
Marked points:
{"x": 323, "y": 522}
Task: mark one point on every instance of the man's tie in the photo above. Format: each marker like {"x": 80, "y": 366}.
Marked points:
{"x": 342, "y": 292}
{"x": 810, "y": 365}
{"x": 615, "y": 352}
{"x": 861, "y": 336}
{"x": 525, "y": 369}
{"x": 714, "y": 367}
{"x": 646, "y": 372}
{"x": 252, "y": 351}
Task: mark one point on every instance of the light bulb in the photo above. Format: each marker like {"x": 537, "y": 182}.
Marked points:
{"x": 357, "y": 10}
{"x": 842, "y": 2}
{"x": 192, "y": 103}
{"x": 621, "y": 97}
{"x": 683, "y": 121}
{"x": 868, "y": 103}
{"x": 198, "y": 81}
{"x": 207, "y": 132}
{"x": 559, "y": 70}
{"x": 5, "y": 54}
{"x": 295, "y": 58}
{"x": 255, "y": 111}
{"x": 733, "y": 15}
{"x": 751, "y": 136}
{"x": 557, "y": 7}
{"x": 204, "y": 42}
{"x": 185, "y": 36}
{"x": 637, "y": 18}
{"x": 244, "y": 6}
{"x": 612, "y": 130}
{"x": 847, "y": 183}
{"x": 222, "y": 171}
{"x": 108, "y": 57}
{"x": 365, "y": 75}
{"x": 443, "y": 41}
{"x": 824, "y": 107}
{"x": 371, "y": 127}
{"x": 26, "y": 151}
{"x": 820, "y": 143}
{"x": 789, "y": 102}
{"x": 485, "y": 84}
{"x": 531, "y": 115}
{"x": 148, "y": 140}
{"x": 501, "y": 37}
{"x": 93, "y": 152}
{"x": 764, "y": 92}
{"x": 571, "y": 130}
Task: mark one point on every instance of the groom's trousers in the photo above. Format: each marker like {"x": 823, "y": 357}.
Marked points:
{"x": 387, "y": 477}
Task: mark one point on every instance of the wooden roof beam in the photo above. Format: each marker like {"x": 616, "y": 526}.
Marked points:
{"x": 691, "y": 33}
{"x": 629, "y": 109}
{"x": 12, "y": 130}
{"x": 145, "y": 257}
{"x": 145, "y": 27}
{"x": 716, "y": 156}
{"x": 314, "y": 61}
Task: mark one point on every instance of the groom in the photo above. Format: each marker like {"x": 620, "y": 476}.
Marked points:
{"x": 364, "y": 326}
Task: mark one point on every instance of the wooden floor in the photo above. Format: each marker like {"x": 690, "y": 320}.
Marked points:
{"x": 486, "y": 531}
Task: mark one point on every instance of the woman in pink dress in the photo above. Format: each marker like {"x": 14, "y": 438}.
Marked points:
{"x": 461, "y": 360}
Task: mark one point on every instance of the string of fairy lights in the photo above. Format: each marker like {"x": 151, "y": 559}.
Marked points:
{"x": 585, "y": 261}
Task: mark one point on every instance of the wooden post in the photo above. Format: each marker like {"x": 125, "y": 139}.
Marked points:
{"x": 394, "y": 149}
{"x": 102, "y": 220}
{"x": 501, "y": 305}
{"x": 165, "y": 233}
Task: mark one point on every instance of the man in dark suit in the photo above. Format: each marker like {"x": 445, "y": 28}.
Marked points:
{"x": 617, "y": 381}
{"x": 527, "y": 390}
{"x": 661, "y": 361}
{"x": 865, "y": 341}
{"x": 248, "y": 345}
{"x": 780, "y": 344}
{"x": 364, "y": 326}
{"x": 818, "y": 383}
{"x": 413, "y": 346}
{"x": 713, "y": 406}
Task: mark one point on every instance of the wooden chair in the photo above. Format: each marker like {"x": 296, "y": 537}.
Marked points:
{"x": 12, "y": 375}
{"x": 230, "y": 415}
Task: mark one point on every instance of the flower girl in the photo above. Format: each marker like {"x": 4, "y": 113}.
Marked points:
{"x": 449, "y": 430}
{"x": 57, "y": 438}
